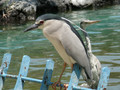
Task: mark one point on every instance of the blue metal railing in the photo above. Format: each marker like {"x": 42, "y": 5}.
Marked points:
{"x": 46, "y": 82}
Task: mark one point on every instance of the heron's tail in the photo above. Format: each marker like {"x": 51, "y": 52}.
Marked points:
{"x": 88, "y": 73}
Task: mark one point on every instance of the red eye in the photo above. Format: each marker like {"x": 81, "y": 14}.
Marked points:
{"x": 41, "y": 22}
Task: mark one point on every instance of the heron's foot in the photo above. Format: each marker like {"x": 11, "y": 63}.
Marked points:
{"x": 56, "y": 84}
{"x": 65, "y": 86}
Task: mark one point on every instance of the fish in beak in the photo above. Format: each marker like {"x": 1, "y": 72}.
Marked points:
{"x": 34, "y": 26}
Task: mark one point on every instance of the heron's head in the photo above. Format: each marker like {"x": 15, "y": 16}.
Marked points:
{"x": 85, "y": 23}
{"x": 39, "y": 23}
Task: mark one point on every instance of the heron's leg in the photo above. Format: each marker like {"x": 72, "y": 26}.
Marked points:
{"x": 62, "y": 71}
{"x": 59, "y": 80}
{"x": 66, "y": 85}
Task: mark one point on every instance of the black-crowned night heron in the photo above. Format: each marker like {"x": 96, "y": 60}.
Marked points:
{"x": 66, "y": 40}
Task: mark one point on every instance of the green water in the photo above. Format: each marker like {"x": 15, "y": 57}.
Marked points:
{"x": 105, "y": 39}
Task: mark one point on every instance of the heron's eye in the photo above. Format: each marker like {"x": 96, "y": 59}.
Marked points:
{"x": 41, "y": 22}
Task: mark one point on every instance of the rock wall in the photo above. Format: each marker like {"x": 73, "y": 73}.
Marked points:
{"x": 22, "y": 10}
{"x": 101, "y": 3}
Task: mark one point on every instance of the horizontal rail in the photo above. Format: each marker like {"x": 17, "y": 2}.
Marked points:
{"x": 31, "y": 79}
{"x": 8, "y": 76}
{"x": 23, "y": 78}
{"x": 27, "y": 79}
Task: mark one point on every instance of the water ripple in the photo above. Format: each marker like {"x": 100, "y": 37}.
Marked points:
{"x": 36, "y": 40}
{"x": 94, "y": 32}
{"x": 115, "y": 69}
{"x": 108, "y": 58}
{"x": 97, "y": 43}
{"x": 96, "y": 50}
{"x": 113, "y": 53}
{"x": 114, "y": 17}
{"x": 40, "y": 61}
{"x": 117, "y": 30}
{"x": 12, "y": 47}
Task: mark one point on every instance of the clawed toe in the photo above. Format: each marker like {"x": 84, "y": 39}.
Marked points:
{"x": 65, "y": 86}
{"x": 55, "y": 84}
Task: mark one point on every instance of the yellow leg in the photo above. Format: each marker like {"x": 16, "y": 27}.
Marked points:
{"x": 59, "y": 80}
{"x": 66, "y": 85}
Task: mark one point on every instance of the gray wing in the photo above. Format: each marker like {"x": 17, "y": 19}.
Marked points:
{"x": 74, "y": 48}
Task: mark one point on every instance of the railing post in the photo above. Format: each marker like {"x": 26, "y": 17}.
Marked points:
{"x": 104, "y": 77}
{"x": 73, "y": 84}
{"x": 47, "y": 75}
{"x": 74, "y": 76}
{"x": 4, "y": 67}
{"x": 23, "y": 72}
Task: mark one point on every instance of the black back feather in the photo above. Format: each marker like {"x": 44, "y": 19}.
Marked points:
{"x": 76, "y": 33}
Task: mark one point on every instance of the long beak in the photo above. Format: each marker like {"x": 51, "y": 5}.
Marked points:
{"x": 34, "y": 26}
{"x": 91, "y": 21}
